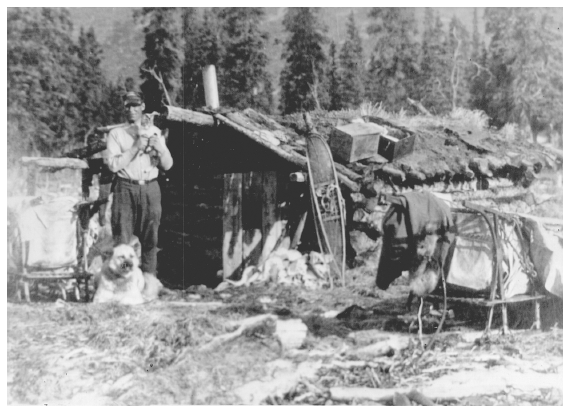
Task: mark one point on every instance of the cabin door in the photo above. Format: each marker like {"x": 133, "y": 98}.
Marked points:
{"x": 250, "y": 224}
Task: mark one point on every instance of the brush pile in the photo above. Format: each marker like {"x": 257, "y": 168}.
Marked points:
{"x": 287, "y": 267}
{"x": 463, "y": 370}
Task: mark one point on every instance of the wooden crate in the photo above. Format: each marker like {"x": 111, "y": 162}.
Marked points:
{"x": 393, "y": 148}
{"x": 396, "y": 142}
{"x": 355, "y": 141}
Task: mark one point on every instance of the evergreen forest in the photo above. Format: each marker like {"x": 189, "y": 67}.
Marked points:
{"x": 58, "y": 93}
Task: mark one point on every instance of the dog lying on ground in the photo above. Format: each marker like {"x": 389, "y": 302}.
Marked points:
{"x": 121, "y": 279}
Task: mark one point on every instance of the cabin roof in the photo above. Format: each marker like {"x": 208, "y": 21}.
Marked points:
{"x": 445, "y": 148}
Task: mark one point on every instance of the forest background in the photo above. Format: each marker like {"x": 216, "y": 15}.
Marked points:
{"x": 68, "y": 68}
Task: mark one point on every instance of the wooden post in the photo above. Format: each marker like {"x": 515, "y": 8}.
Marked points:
{"x": 232, "y": 254}
{"x": 500, "y": 277}
{"x": 210, "y": 86}
{"x": 31, "y": 180}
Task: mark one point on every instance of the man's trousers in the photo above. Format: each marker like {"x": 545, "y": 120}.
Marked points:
{"x": 137, "y": 211}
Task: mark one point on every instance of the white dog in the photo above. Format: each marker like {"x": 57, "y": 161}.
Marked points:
{"x": 122, "y": 281}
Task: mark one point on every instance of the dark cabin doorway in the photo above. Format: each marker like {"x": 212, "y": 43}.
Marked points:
{"x": 195, "y": 216}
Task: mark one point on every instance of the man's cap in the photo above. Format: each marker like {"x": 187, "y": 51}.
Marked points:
{"x": 132, "y": 99}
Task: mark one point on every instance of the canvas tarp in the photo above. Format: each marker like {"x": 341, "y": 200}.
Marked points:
{"x": 49, "y": 227}
{"x": 546, "y": 254}
{"x": 471, "y": 267}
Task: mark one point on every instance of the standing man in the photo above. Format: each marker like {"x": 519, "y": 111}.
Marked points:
{"x": 135, "y": 153}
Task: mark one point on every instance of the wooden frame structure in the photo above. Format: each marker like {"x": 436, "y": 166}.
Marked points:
{"x": 497, "y": 291}
{"x": 78, "y": 272}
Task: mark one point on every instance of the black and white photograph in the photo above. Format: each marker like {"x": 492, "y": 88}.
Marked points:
{"x": 298, "y": 205}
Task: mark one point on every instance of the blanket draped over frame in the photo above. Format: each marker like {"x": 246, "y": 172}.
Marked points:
{"x": 408, "y": 220}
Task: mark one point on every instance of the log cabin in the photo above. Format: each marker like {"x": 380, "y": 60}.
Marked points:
{"x": 237, "y": 189}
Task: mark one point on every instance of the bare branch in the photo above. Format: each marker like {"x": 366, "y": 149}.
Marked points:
{"x": 480, "y": 69}
{"x": 159, "y": 79}
{"x": 89, "y": 132}
{"x": 454, "y": 80}
{"x": 440, "y": 89}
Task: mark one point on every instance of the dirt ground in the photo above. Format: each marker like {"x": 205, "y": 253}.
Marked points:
{"x": 359, "y": 339}
{"x": 361, "y": 347}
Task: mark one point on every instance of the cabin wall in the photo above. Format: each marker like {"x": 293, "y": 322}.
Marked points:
{"x": 226, "y": 204}
{"x": 256, "y": 212}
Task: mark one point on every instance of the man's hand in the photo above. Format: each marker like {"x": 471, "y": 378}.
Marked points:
{"x": 142, "y": 142}
{"x": 157, "y": 144}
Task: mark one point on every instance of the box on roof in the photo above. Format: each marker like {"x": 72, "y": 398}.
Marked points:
{"x": 355, "y": 141}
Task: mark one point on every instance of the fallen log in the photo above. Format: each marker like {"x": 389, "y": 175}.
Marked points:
{"x": 345, "y": 171}
{"x": 389, "y": 343}
{"x": 429, "y": 174}
{"x": 464, "y": 169}
{"x": 495, "y": 163}
{"x": 412, "y": 174}
{"x": 480, "y": 165}
{"x": 401, "y": 400}
{"x": 265, "y": 322}
{"x": 419, "y": 398}
{"x": 209, "y": 305}
{"x": 393, "y": 172}
{"x": 350, "y": 394}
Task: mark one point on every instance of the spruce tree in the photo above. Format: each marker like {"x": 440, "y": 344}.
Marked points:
{"x": 302, "y": 77}
{"x": 192, "y": 90}
{"x": 351, "y": 60}
{"x": 526, "y": 63}
{"x": 479, "y": 76}
{"x": 91, "y": 86}
{"x": 335, "y": 99}
{"x": 459, "y": 51}
{"x": 161, "y": 50}
{"x": 243, "y": 75}
{"x": 434, "y": 65}
{"x": 394, "y": 66}
{"x": 42, "y": 69}
{"x": 475, "y": 37}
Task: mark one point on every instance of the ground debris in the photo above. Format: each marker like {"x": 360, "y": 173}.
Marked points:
{"x": 115, "y": 355}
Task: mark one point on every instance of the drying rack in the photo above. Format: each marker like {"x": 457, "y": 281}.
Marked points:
{"x": 26, "y": 275}
{"x": 496, "y": 295}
